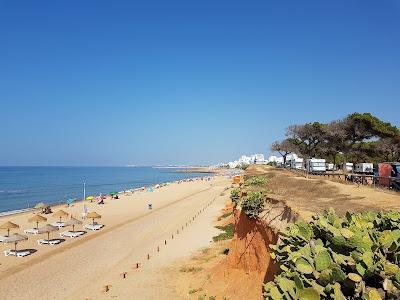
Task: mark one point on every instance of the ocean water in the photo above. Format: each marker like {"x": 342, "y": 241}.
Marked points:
{"x": 23, "y": 187}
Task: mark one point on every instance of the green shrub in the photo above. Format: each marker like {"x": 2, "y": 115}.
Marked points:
{"x": 253, "y": 204}
{"x": 235, "y": 195}
{"x": 225, "y": 215}
{"x": 192, "y": 291}
{"x": 227, "y": 234}
{"x": 255, "y": 181}
{"x": 191, "y": 269}
{"x": 355, "y": 257}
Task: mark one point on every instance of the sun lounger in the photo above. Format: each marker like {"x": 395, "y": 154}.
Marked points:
{"x": 2, "y": 237}
{"x": 17, "y": 253}
{"x": 93, "y": 227}
{"x": 48, "y": 242}
{"x": 31, "y": 231}
{"x": 71, "y": 234}
{"x": 59, "y": 224}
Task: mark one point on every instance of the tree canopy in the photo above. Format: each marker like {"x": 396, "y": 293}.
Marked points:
{"x": 357, "y": 137}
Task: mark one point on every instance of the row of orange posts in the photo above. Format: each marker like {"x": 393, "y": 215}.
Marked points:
{"x": 124, "y": 275}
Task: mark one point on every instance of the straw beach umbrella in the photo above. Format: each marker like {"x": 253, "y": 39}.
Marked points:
{"x": 15, "y": 238}
{"x": 37, "y": 219}
{"x": 47, "y": 229}
{"x": 8, "y": 225}
{"x": 60, "y": 214}
{"x": 93, "y": 215}
{"x": 72, "y": 222}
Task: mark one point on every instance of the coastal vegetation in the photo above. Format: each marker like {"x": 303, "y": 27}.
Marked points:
{"x": 253, "y": 204}
{"x": 235, "y": 195}
{"x": 358, "y": 137}
{"x": 191, "y": 269}
{"x": 353, "y": 257}
{"x": 255, "y": 181}
{"x": 251, "y": 196}
{"x": 227, "y": 233}
{"x": 225, "y": 215}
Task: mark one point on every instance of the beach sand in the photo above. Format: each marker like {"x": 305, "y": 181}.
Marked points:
{"x": 80, "y": 268}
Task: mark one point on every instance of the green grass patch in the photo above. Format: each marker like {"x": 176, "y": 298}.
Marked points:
{"x": 224, "y": 216}
{"x": 227, "y": 234}
{"x": 190, "y": 269}
{"x": 193, "y": 291}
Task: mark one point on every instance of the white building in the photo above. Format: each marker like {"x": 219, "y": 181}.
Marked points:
{"x": 247, "y": 160}
{"x": 279, "y": 161}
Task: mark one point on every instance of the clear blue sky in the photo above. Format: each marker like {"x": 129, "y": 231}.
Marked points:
{"x": 119, "y": 82}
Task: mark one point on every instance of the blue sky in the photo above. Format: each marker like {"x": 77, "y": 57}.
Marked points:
{"x": 147, "y": 82}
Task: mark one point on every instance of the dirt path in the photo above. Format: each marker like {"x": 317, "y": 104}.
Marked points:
{"x": 81, "y": 271}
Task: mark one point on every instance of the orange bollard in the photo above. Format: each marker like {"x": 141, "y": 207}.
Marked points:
{"x": 106, "y": 288}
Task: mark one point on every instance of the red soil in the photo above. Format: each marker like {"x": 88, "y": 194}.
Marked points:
{"x": 248, "y": 264}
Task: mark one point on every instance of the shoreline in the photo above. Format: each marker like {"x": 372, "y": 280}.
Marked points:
{"x": 131, "y": 231}
{"x": 132, "y": 190}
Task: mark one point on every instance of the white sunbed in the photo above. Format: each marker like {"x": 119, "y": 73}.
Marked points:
{"x": 93, "y": 226}
{"x": 71, "y": 234}
{"x": 2, "y": 237}
{"x": 48, "y": 242}
{"x": 59, "y": 224}
{"x": 17, "y": 253}
{"x": 31, "y": 231}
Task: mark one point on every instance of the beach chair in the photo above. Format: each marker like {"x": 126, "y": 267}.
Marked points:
{"x": 48, "y": 242}
{"x": 59, "y": 224}
{"x": 17, "y": 253}
{"x": 31, "y": 231}
{"x": 2, "y": 237}
{"x": 72, "y": 234}
{"x": 94, "y": 227}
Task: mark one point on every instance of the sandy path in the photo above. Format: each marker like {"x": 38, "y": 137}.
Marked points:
{"x": 80, "y": 269}
{"x": 150, "y": 281}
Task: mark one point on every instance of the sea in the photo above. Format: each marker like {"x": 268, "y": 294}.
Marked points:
{"x": 24, "y": 187}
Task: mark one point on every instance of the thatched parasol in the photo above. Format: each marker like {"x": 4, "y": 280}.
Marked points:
{"x": 8, "y": 225}
{"x": 37, "y": 219}
{"x": 15, "y": 238}
{"x": 72, "y": 222}
{"x": 93, "y": 215}
{"x": 47, "y": 229}
{"x": 60, "y": 214}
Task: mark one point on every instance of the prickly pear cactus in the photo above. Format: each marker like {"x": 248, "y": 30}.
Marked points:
{"x": 355, "y": 257}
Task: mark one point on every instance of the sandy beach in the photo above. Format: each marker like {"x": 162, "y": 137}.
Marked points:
{"x": 80, "y": 268}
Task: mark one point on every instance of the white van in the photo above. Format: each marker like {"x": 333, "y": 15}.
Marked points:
{"x": 366, "y": 168}
{"x": 315, "y": 165}
{"x": 296, "y": 163}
